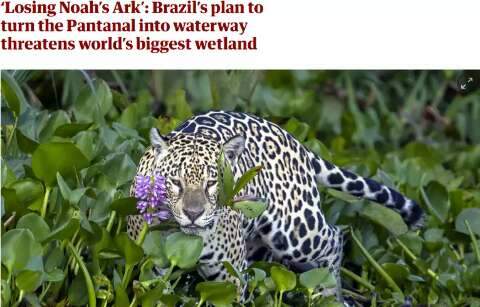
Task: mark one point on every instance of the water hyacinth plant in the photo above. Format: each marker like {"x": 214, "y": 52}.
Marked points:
{"x": 250, "y": 205}
{"x": 151, "y": 192}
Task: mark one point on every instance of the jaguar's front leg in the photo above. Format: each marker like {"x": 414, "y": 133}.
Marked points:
{"x": 224, "y": 242}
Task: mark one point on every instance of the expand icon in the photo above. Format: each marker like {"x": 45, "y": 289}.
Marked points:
{"x": 468, "y": 81}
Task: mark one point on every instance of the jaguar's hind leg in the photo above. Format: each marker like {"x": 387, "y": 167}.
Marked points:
{"x": 329, "y": 257}
{"x": 333, "y": 261}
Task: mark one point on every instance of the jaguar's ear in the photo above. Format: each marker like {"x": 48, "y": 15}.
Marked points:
{"x": 158, "y": 142}
{"x": 233, "y": 148}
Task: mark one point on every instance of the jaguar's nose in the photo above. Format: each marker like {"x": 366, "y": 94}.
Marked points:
{"x": 193, "y": 213}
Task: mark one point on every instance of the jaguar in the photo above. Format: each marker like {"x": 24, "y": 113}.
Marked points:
{"x": 292, "y": 230}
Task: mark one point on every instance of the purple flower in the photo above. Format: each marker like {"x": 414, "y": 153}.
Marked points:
{"x": 151, "y": 193}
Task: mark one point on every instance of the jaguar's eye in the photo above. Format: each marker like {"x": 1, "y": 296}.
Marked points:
{"x": 230, "y": 155}
{"x": 177, "y": 186}
{"x": 211, "y": 183}
{"x": 176, "y": 182}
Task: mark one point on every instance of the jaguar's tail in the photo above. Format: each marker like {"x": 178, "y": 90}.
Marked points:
{"x": 336, "y": 178}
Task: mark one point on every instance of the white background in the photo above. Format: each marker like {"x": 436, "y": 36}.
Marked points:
{"x": 334, "y": 34}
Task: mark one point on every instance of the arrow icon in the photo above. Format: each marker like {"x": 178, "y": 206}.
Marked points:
{"x": 467, "y": 81}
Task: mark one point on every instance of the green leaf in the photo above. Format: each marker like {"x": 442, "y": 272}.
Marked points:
{"x": 318, "y": 277}
{"x": 297, "y": 128}
{"x": 216, "y": 292}
{"x": 35, "y": 224}
{"x": 135, "y": 112}
{"x": 54, "y": 259}
{"x": 183, "y": 250}
{"x": 125, "y": 206}
{"x": 124, "y": 132}
{"x": 25, "y": 144}
{"x": 73, "y": 197}
{"x": 71, "y": 129}
{"x": 8, "y": 176}
{"x": 433, "y": 239}
{"x": 101, "y": 206}
{"x": 6, "y": 291}
{"x": 165, "y": 125}
{"x": 436, "y": 199}
{"x": 119, "y": 169}
{"x": 19, "y": 248}
{"x": 475, "y": 247}
{"x": 472, "y": 215}
{"x": 105, "y": 242}
{"x": 64, "y": 231}
{"x": 108, "y": 137}
{"x": 398, "y": 272}
{"x": 77, "y": 291}
{"x": 250, "y": 209}
{"x": 385, "y": 217}
{"x": 147, "y": 270}
{"x": 55, "y": 120}
{"x": 284, "y": 279}
{"x": 90, "y": 231}
{"x": 27, "y": 191}
{"x": 233, "y": 271}
{"x": 29, "y": 281}
{"x": 10, "y": 202}
{"x": 178, "y": 106}
{"x": 121, "y": 297}
{"x": 129, "y": 249}
{"x": 457, "y": 201}
{"x": 87, "y": 142}
{"x": 52, "y": 158}
{"x": 265, "y": 300}
{"x": 320, "y": 149}
{"x": 269, "y": 284}
{"x": 55, "y": 275}
{"x": 258, "y": 276}
{"x": 12, "y": 92}
{"x": 170, "y": 300}
{"x": 152, "y": 296}
{"x": 246, "y": 177}
{"x": 227, "y": 181}
{"x": 93, "y": 103}
{"x": 343, "y": 196}
{"x": 129, "y": 116}
{"x": 413, "y": 242}
{"x": 154, "y": 246}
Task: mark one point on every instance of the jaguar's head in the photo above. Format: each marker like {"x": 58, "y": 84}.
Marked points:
{"x": 190, "y": 164}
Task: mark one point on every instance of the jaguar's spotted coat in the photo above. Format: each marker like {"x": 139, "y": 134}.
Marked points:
{"x": 293, "y": 229}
